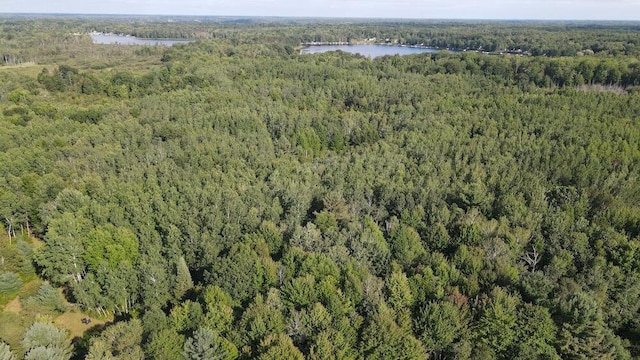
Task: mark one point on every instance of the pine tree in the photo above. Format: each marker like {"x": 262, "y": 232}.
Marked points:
{"x": 9, "y": 282}
{"x": 398, "y": 290}
{"x": 45, "y": 341}
{"x": 183, "y": 281}
{"x": 496, "y": 326}
{"x": 207, "y": 344}
{"x": 5, "y": 352}
{"x": 583, "y": 334}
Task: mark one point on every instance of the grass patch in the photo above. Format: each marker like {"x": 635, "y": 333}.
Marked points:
{"x": 72, "y": 321}
{"x": 37, "y": 243}
{"x": 31, "y": 288}
{"x": 12, "y": 328}
{"x": 14, "y": 306}
{"x": 29, "y": 69}
{"x": 5, "y": 299}
{"x": 20, "y": 313}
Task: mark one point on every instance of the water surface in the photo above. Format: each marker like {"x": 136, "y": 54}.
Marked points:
{"x": 371, "y": 51}
{"x": 101, "y": 38}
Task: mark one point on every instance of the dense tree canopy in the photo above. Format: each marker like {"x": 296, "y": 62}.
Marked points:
{"x": 230, "y": 198}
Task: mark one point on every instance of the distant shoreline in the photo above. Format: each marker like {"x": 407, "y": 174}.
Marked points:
{"x": 101, "y": 38}
{"x": 129, "y": 36}
{"x": 342, "y": 43}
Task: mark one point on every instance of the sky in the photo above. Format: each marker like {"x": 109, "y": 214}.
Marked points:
{"x": 414, "y": 9}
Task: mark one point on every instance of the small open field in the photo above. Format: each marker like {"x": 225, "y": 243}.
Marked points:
{"x": 26, "y": 69}
{"x": 19, "y": 309}
{"x": 12, "y": 327}
{"x": 15, "y": 318}
{"x": 72, "y": 321}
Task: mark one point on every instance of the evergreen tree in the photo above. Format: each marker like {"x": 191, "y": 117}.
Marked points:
{"x": 207, "y": 344}
{"x": 5, "y": 352}
{"x": 583, "y": 333}
{"x": 496, "y": 326}
{"x": 183, "y": 282}
{"x": 10, "y": 282}
{"x": 398, "y": 291}
{"x": 45, "y": 341}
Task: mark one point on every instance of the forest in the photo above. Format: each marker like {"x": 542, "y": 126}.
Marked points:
{"x": 231, "y": 198}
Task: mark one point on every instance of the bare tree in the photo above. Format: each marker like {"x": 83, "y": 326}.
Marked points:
{"x": 10, "y": 231}
{"x": 532, "y": 258}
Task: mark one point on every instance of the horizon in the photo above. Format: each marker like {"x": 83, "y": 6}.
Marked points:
{"x": 496, "y": 10}
{"x": 312, "y": 17}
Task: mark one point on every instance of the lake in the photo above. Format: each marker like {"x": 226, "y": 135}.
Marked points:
{"x": 102, "y": 38}
{"x": 371, "y": 51}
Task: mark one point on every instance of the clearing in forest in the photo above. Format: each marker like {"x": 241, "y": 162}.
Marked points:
{"x": 72, "y": 321}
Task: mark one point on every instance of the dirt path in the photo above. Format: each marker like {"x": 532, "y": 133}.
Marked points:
{"x": 13, "y": 306}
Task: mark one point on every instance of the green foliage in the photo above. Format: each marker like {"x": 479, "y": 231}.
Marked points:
{"x": 207, "y": 344}
{"x": 535, "y": 286}
{"x": 309, "y": 143}
{"x": 371, "y": 248}
{"x": 166, "y": 344}
{"x": 231, "y": 191}
{"x": 218, "y": 307}
{"x": 42, "y": 353}
{"x": 10, "y": 283}
{"x": 18, "y": 96}
{"x": 497, "y": 323}
{"x": 300, "y": 292}
{"x": 245, "y": 271}
{"x": 439, "y": 325}
{"x": 383, "y": 339}
{"x": 406, "y": 246}
{"x": 187, "y": 316}
{"x": 469, "y": 234}
{"x": 583, "y": 333}
{"x": 5, "y": 352}
{"x": 45, "y": 341}
{"x": 16, "y": 257}
{"x": 272, "y": 236}
{"x": 437, "y": 237}
{"x": 399, "y": 294}
{"x": 62, "y": 256}
{"x": 91, "y": 115}
{"x": 259, "y": 320}
{"x": 119, "y": 341}
{"x": 331, "y": 345}
{"x": 183, "y": 282}
{"x": 320, "y": 266}
{"x": 49, "y": 297}
{"x": 536, "y": 333}
{"x": 280, "y": 346}
{"x": 110, "y": 245}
